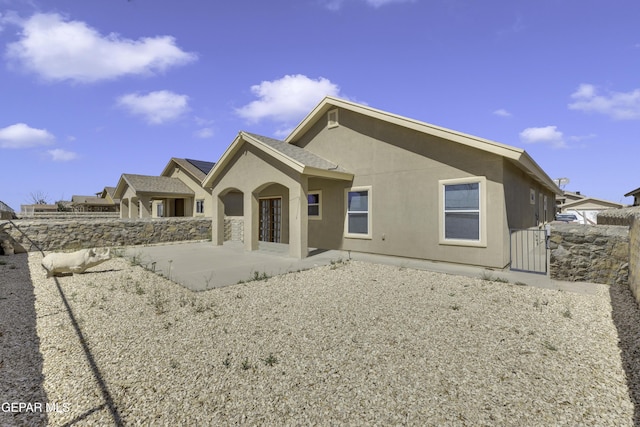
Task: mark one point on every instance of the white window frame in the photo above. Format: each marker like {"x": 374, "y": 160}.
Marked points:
{"x": 332, "y": 118}
{"x": 369, "y": 233}
{"x": 319, "y": 216}
{"x": 201, "y": 204}
{"x": 482, "y": 211}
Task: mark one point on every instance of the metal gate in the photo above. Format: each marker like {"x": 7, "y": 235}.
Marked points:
{"x": 529, "y": 250}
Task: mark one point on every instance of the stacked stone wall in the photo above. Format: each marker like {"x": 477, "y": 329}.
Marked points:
{"x": 234, "y": 228}
{"x": 76, "y": 234}
{"x": 584, "y": 253}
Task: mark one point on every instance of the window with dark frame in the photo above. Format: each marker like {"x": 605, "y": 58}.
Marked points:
{"x": 313, "y": 203}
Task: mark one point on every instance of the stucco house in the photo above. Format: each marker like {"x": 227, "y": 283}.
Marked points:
{"x": 352, "y": 177}
{"x": 586, "y": 209}
{"x": 636, "y": 196}
{"x": 176, "y": 192}
{"x": 92, "y": 204}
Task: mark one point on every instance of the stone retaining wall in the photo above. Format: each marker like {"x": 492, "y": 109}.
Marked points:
{"x": 77, "y": 234}
{"x": 630, "y": 217}
{"x": 583, "y": 253}
{"x": 234, "y": 228}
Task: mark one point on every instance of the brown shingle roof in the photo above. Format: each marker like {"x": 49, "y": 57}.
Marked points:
{"x": 157, "y": 184}
{"x": 297, "y": 153}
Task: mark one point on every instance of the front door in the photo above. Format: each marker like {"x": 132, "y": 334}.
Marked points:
{"x": 179, "y": 207}
{"x": 270, "y": 219}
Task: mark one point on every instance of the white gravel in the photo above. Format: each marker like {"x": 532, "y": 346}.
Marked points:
{"x": 352, "y": 343}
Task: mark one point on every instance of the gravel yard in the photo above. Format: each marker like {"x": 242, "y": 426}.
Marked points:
{"x": 350, "y": 343}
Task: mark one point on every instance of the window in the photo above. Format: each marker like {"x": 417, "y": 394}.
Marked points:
{"x": 200, "y": 206}
{"x": 314, "y": 202}
{"x": 160, "y": 210}
{"x": 358, "y": 220}
{"x": 332, "y": 119}
{"x": 462, "y": 206}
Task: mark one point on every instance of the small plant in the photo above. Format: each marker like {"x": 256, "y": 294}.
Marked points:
{"x": 174, "y": 364}
{"x": 500, "y": 280}
{"x": 208, "y": 280}
{"x": 159, "y": 302}
{"x": 455, "y": 307}
{"x": 226, "y": 362}
{"x": 270, "y": 360}
{"x": 139, "y": 289}
{"x": 3, "y": 262}
{"x": 567, "y": 313}
{"x": 246, "y": 365}
{"x": 549, "y": 346}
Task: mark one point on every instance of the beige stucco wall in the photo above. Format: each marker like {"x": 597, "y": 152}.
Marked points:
{"x": 257, "y": 175}
{"x": 403, "y": 168}
{"x": 200, "y": 192}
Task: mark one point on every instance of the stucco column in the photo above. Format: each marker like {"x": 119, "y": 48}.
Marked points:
{"x": 298, "y": 220}
{"x": 124, "y": 209}
{"x": 145, "y": 207}
{"x": 251, "y": 221}
{"x": 217, "y": 235}
{"x": 133, "y": 208}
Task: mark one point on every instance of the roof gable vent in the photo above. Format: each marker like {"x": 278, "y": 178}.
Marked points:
{"x": 332, "y": 118}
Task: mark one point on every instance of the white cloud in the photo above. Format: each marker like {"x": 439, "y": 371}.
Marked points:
{"x": 617, "y": 105}
{"x": 204, "y": 133}
{"x": 337, "y": 4}
{"x": 156, "y": 107}
{"x": 502, "y": 113}
{"x": 543, "y": 135}
{"x": 22, "y": 136}
{"x": 287, "y": 99}
{"x": 58, "y": 49}
{"x": 60, "y": 155}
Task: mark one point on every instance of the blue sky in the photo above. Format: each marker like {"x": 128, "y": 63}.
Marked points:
{"x": 92, "y": 89}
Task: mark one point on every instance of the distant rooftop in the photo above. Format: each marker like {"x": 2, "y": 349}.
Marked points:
{"x": 5, "y": 207}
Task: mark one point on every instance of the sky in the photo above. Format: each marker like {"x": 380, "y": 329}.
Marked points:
{"x": 93, "y": 89}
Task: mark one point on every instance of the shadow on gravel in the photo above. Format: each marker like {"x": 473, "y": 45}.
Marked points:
{"x": 22, "y": 393}
{"x": 106, "y": 394}
{"x": 626, "y": 317}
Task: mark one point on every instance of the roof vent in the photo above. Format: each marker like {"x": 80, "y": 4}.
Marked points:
{"x": 332, "y": 119}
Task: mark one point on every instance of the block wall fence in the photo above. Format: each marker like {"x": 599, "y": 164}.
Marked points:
{"x": 608, "y": 253}
{"x": 77, "y": 234}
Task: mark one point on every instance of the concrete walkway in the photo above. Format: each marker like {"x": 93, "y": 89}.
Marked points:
{"x": 201, "y": 265}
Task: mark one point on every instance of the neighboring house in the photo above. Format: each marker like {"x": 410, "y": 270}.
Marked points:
{"x": 192, "y": 172}
{"x": 586, "y": 209}
{"x": 636, "y": 196}
{"x": 108, "y": 194}
{"x": 352, "y": 177}
{"x": 567, "y": 197}
{"x": 177, "y": 192}
{"x": 6, "y": 212}
{"x": 92, "y": 204}
{"x": 45, "y": 209}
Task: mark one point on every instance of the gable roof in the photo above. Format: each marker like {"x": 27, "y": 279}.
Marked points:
{"x": 632, "y": 192}
{"x": 516, "y": 155}
{"x": 293, "y": 156}
{"x": 90, "y": 200}
{"x": 197, "y": 169}
{"x": 152, "y": 185}
{"x": 591, "y": 203}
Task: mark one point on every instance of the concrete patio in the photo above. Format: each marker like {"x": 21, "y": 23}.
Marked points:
{"x": 199, "y": 266}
